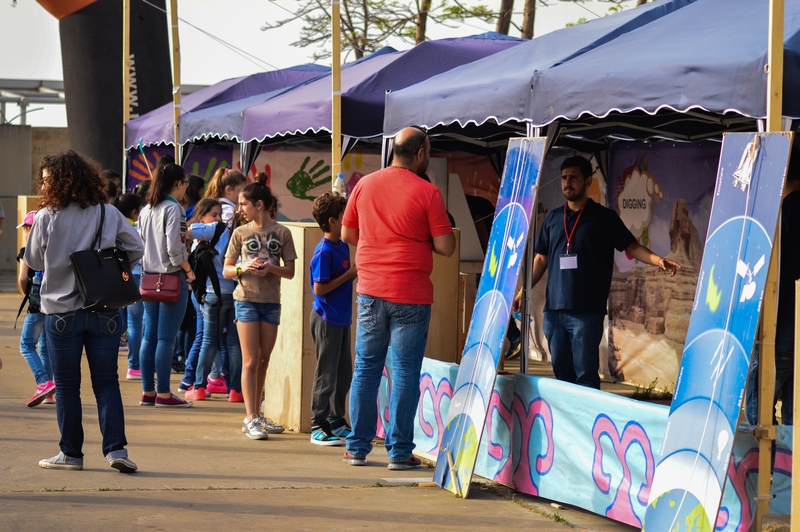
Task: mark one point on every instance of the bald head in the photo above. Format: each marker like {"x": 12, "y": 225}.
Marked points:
{"x": 408, "y": 143}
{"x": 412, "y": 149}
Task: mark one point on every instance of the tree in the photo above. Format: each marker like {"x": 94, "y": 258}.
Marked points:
{"x": 368, "y": 24}
{"x": 504, "y": 16}
{"x": 528, "y": 18}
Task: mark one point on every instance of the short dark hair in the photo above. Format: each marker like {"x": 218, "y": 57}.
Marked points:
{"x": 127, "y": 203}
{"x": 194, "y": 190}
{"x": 109, "y": 175}
{"x": 111, "y": 189}
{"x": 580, "y": 162}
{"x": 328, "y": 205}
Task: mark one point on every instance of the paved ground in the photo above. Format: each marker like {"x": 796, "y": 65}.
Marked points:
{"x": 198, "y": 471}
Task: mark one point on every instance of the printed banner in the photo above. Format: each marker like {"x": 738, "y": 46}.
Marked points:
{"x": 663, "y": 193}
{"x": 694, "y": 458}
{"x": 473, "y": 389}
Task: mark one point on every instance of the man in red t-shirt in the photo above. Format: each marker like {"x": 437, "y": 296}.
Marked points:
{"x": 396, "y": 219}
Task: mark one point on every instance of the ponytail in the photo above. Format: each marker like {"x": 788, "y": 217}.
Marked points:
{"x": 224, "y": 178}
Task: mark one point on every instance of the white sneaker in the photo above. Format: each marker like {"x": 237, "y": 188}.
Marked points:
{"x": 255, "y": 431}
{"x": 62, "y": 461}
{"x": 269, "y": 426}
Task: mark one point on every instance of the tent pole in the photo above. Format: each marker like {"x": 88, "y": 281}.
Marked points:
{"x": 126, "y": 83}
{"x": 172, "y": 13}
{"x": 765, "y": 432}
{"x": 775, "y": 66}
{"x": 336, "y": 77}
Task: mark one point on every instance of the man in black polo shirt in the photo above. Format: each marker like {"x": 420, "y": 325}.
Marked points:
{"x": 576, "y": 244}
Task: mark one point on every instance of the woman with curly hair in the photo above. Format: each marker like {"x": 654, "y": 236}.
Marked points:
{"x": 162, "y": 226}
{"x": 73, "y": 197}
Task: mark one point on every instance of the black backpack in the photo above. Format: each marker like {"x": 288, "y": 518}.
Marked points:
{"x": 28, "y": 286}
{"x": 202, "y": 262}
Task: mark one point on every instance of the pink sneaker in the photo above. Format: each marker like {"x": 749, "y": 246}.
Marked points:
{"x": 172, "y": 401}
{"x": 217, "y": 386}
{"x": 235, "y": 397}
{"x": 134, "y": 375}
{"x": 196, "y": 394}
{"x": 50, "y": 400}
{"x": 43, "y": 391}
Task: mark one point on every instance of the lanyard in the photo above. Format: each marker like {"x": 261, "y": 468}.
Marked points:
{"x": 570, "y": 233}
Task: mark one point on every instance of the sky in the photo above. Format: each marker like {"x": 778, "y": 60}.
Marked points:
{"x": 31, "y": 48}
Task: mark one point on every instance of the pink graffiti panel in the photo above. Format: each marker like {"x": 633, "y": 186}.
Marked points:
{"x": 500, "y": 450}
{"x": 527, "y": 415}
{"x": 383, "y": 409}
{"x": 437, "y": 393}
{"x": 621, "y": 509}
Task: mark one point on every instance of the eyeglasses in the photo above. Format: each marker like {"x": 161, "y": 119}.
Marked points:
{"x": 422, "y": 140}
{"x": 185, "y": 182}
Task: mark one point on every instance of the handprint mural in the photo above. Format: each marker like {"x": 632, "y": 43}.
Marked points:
{"x": 298, "y": 175}
{"x": 303, "y": 181}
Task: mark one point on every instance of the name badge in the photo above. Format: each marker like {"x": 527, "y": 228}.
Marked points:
{"x": 569, "y": 262}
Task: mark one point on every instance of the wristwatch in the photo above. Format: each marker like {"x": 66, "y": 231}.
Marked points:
{"x": 238, "y": 271}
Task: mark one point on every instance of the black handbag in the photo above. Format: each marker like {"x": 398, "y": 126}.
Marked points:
{"x": 104, "y": 276}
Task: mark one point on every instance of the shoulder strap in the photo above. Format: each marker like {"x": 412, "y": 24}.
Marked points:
{"x": 96, "y": 242}
{"x": 218, "y": 233}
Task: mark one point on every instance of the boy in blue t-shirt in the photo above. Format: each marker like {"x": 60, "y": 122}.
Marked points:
{"x": 332, "y": 276}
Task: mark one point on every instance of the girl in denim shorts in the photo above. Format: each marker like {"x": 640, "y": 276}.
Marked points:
{"x": 267, "y": 254}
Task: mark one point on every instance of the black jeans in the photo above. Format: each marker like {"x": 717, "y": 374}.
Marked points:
{"x": 334, "y": 371}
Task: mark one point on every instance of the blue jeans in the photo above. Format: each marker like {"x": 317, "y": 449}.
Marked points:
{"x": 784, "y": 388}
{"x": 31, "y": 335}
{"x": 218, "y": 315}
{"x": 406, "y": 325}
{"x": 98, "y": 333}
{"x": 197, "y": 340}
{"x": 574, "y": 341}
{"x": 161, "y": 324}
{"x": 135, "y": 322}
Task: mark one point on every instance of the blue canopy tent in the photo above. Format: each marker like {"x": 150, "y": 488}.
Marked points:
{"x": 497, "y": 90}
{"x": 706, "y": 75}
{"x": 683, "y": 70}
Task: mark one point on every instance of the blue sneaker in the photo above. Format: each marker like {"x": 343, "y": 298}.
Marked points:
{"x": 340, "y": 428}
{"x": 320, "y": 436}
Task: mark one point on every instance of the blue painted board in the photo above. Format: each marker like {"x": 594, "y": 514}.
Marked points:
{"x": 692, "y": 468}
{"x": 473, "y": 388}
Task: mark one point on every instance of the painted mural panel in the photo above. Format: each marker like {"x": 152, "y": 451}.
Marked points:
{"x": 663, "y": 194}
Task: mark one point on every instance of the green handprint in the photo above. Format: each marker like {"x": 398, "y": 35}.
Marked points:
{"x": 212, "y": 167}
{"x": 301, "y": 182}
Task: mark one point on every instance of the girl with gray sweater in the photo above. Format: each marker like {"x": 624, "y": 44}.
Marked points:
{"x": 162, "y": 226}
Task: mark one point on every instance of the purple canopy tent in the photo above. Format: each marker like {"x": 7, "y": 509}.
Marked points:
{"x": 156, "y": 127}
{"x": 307, "y": 110}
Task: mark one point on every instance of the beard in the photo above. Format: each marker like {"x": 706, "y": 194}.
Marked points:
{"x": 573, "y": 194}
